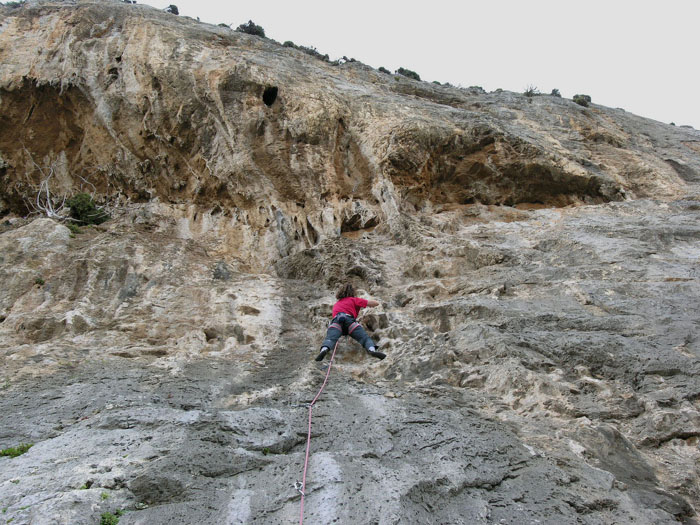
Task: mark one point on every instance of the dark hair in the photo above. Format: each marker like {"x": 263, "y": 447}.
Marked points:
{"x": 346, "y": 290}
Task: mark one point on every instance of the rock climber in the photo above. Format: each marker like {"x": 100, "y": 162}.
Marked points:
{"x": 343, "y": 323}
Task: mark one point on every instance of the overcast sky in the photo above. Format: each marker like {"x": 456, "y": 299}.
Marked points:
{"x": 642, "y": 56}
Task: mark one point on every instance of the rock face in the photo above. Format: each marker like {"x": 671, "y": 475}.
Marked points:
{"x": 536, "y": 261}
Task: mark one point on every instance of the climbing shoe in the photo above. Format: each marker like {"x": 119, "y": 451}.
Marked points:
{"x": 322, "y": 353}
{"x": 376, "y": 353}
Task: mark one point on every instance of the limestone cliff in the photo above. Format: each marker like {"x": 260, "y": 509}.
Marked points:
{"x": 536, "y": 261}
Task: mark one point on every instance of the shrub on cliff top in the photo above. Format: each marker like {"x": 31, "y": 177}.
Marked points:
{"x": 408, "y": 73}
{"x": 172, "y": 9}
{"x": 531, "y": 91}
{"x": 312, "y": 51}
{"x": 582, "y": 100}
{"x": 251, "y": 28}
{"x": 84, "y": 210}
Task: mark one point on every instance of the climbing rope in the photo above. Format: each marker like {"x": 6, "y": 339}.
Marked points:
{"x": 301, "y": 487}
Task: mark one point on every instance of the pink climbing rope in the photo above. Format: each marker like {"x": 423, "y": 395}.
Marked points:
{"x": 308, "y": 438}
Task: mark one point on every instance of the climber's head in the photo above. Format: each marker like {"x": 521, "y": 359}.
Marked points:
{"x": 346, "y": 290}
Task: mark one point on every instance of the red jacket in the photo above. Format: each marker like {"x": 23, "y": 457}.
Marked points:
{"x": 350, "y": 306}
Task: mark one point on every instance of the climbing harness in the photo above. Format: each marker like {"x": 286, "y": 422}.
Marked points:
{"x": 351, "y": 328}
{"x": 301, "y": 487}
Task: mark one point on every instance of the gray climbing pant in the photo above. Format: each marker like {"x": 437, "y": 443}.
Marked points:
{"x": 345, "y": 324}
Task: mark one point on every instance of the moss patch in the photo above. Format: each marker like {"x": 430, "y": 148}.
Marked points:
{"x": 13, "y": 452}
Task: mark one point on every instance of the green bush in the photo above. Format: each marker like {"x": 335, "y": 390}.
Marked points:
{"x": 39, "y": 281}
{"x": 408, "y": 73}
{"x": 555, "y": 93}
{"x": 582, "y": 100}
{"x": 13, "y": 452}
{"x": 108, "y": 518}
{"x": 384, "y": 70}
{"x": 84, "y": 210}
{"x": 309, "y": 51}
{"x": 251, "y": 28}
{"x": 74, "y": 229}
{"x": 314, "y": 53}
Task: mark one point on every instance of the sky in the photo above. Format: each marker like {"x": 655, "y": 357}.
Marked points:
{"x": 642, "y": 56}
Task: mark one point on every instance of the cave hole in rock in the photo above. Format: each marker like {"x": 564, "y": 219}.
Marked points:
{"x": 356, "y": 223}
{"x": 211, "y": 334}
{"x": 270, "y": 95}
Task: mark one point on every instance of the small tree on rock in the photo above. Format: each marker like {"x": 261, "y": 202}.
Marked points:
{"x": 582, "y": 100}
{"x": 531, "y": 91}
{"x": 172, "y": 9}
{"x": 408, "y": 73}
{"x": 84, "y": 211}
{"x": 251, "y": 28}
